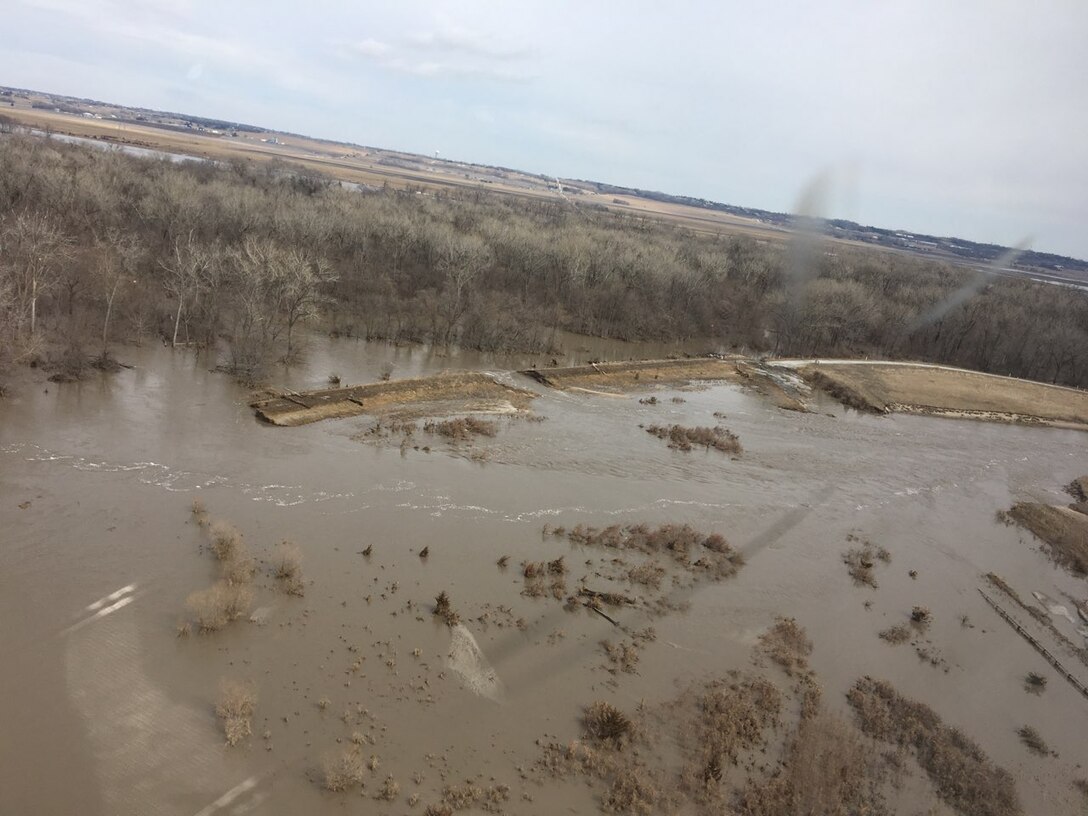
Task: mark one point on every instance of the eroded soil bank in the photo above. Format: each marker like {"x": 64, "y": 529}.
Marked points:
{"x": 584, "y": 562}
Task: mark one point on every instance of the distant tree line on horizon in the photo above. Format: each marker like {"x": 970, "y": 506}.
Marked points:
{"x": 98, "y": 247}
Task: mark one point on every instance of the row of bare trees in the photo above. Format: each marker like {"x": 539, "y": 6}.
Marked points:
{"x": 99, "y": 247}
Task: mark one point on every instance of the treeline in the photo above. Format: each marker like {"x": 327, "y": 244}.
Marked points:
{"x": 99, "y": 247}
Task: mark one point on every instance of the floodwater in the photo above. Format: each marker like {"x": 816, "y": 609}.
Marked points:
{"x": 104, "y": 710}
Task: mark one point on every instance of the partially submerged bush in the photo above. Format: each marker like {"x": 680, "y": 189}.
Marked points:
{"x": 344, "y": 771}
{"x": 237, "y": 702}
{"x": 1033, "y": 740}
{"x": 226, "y": 540}
{"x": 861, "y": 561}
{"x": 787, "y": 644}
{"x": 1035, "y": 682}
{"x": 962, "y": 773}
{"x": 215, "y": 607}
{"x": 897, "y": 634}
{"x": 921, "y": 616}
{"x": 443, "y": 609}
{"x": 606, "y": 723}
{"x": 287, "y": 568}
{"x": 389, "y": 790}
{"x": 685, "y": 439}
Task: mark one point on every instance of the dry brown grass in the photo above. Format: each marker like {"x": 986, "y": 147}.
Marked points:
{"x": 344, "y": 771}
{"x": 686, "y": 439}
{"x": 648, "y": 574}
{"x": 237, "y": 702}
{"x": 1064, "y": 531}
{"x": 215, "y": 607}
{"x": 827, "y": 771}
{"x": 726, "y": 720}
{"x": 462, "y": 429}
{"x": 631, "y": 792}
{"x": 962, "y": 774}
{"x": 439, "y": 809}
{"x": 469, "y": 795}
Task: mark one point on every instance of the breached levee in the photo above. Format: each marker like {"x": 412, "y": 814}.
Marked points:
{"x": 783, "y": 389}
{"x": 629, "y": 374}
{"x": 438, "y": 395}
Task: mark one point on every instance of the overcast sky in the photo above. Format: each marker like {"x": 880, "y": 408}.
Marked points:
{"x": 952, "y": 117}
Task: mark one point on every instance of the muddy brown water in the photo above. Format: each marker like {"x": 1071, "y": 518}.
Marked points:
{"x": 103, "y": 710}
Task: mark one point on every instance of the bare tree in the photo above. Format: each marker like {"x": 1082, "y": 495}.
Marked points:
{"x": 34, "y": 249}
{"x": 188, "y": 272}
{"x": 117, "y": 267}
{"x": 300, "y": 282}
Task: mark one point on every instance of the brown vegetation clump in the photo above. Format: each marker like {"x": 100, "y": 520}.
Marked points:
{"x": 648, "y": 574}
{"x": 1035, "y": 683}
{"x": 545, "y": 578}
{"x": 631, "y": 792}
{"x": 827, "y": 770}
{"x": 1078, "y": 489}
{"x": 463, "y": 428}
{"x": 1064, "y": 531}
{"x": 900, "y": 633}
{"x": 439, "y": 809}
{"x": 215, "y": 607}
{"x": 920, "y": 616}
{"x": 237, "y": 702}
{"x": 344, "y": 771}
{"x": 226, "y": 540}
{"x": 787, "y": 644}
{"x": 239, "y": 568}
{"x": 1082, "y": 786}
{"x": 712, "y": 554}
{"x": 200, "y": 512}
{"x": 606, "y": 724}
{"x": 686, "y": 439}
{"x": 1033, "y": 740}
{"x": 728, "y": 719}
{"x": 469, "y": 795}
{"x": 389, "y": 790}
{"x": 861, "y": 561}
{"x": 964, "y": 777}
{"x": 623, "y": 656}
{"x": 443, "y": 610}
{"x": 287, "y": 568}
